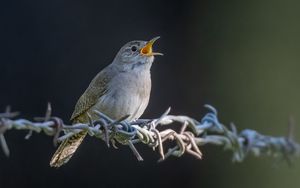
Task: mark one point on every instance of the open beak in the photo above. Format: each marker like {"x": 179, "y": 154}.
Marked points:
{"x": 147, "y": 49}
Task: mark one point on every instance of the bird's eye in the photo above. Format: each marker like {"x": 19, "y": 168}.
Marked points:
{"x": 133, "y": 48}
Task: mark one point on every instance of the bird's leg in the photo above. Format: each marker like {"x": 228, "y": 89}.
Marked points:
{"x": 103, "y": 124}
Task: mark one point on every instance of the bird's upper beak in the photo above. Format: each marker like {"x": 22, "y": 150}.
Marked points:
{"x": 147, "y": 49}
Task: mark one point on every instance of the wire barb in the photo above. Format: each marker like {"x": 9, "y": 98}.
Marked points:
{"x": 189, "y": 139}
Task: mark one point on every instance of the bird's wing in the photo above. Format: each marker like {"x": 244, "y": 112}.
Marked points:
{"x": 96, "y": 89}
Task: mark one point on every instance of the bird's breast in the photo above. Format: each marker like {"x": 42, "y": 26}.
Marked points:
{"x": 127, "y": 94}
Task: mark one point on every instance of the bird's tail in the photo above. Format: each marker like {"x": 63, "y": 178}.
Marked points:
{"x": 66, "y": 149}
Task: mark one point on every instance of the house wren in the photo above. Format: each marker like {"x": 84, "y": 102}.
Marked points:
{"x": 122, "y": 88}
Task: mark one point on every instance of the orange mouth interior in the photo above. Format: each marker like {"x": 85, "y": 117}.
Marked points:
{"x": 147, "y": 50}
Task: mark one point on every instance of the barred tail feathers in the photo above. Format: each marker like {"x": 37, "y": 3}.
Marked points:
{"x": 66, "y": 149}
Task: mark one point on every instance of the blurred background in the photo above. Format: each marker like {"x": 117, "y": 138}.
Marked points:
{"x": 242, "y": 57}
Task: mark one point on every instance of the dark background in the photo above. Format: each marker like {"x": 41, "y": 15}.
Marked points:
{"x": 240, "y": 56}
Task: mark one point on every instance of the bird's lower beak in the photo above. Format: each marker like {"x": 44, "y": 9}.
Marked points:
{"x": 147, "y": 49}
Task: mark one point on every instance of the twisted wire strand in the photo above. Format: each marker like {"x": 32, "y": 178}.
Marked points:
{"x": 189, "y": 139}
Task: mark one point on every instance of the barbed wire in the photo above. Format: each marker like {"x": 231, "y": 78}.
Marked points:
{"x": 189, "y": 139}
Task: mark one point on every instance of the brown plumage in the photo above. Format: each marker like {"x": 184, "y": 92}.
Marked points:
{"x": 89, "y": 98}
{"x": 122, "y": 88}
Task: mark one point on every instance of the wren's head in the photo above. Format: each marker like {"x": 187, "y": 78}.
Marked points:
{"x": 136, "y": 55}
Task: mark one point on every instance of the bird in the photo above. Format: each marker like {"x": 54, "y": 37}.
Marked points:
{"x": 120, "y": 89}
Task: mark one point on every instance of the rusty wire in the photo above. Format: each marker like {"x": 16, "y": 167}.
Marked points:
{"x": 189, "y": 139}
